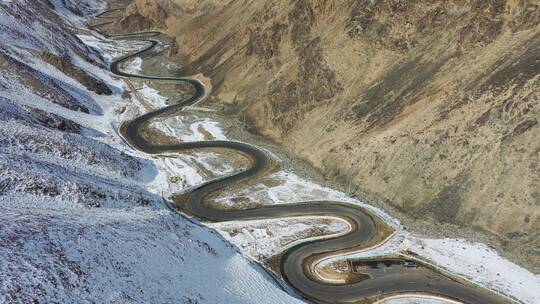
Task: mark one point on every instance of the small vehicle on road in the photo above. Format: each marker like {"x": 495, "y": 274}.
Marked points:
{"x": 410, "y": 264}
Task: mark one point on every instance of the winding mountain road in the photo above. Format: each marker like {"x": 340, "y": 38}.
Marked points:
{"x": 295, "y": 263}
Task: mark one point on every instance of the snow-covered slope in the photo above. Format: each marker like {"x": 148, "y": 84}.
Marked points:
{"x": 81, "y": 215}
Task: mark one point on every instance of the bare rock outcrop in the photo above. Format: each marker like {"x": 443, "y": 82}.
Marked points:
{"x": 64, "y": 64}
{"x": 142, "y": 15}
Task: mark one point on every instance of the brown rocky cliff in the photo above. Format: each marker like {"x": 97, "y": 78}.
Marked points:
{"x": 141, "y": 15}
{"x": 431, "y": 105}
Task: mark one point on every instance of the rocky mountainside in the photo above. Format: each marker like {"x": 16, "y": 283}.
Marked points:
{"x": 432, "y": 106}
{"x": 82, "y": 218}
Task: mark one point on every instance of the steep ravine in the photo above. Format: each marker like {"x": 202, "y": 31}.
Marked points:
{"x": 428, "y": 105}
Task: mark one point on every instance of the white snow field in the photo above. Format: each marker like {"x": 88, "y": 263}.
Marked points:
{"x": 81, "y": 214}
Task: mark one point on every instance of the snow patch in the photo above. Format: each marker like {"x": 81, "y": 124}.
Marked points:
{"x": 133, "y": 66}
